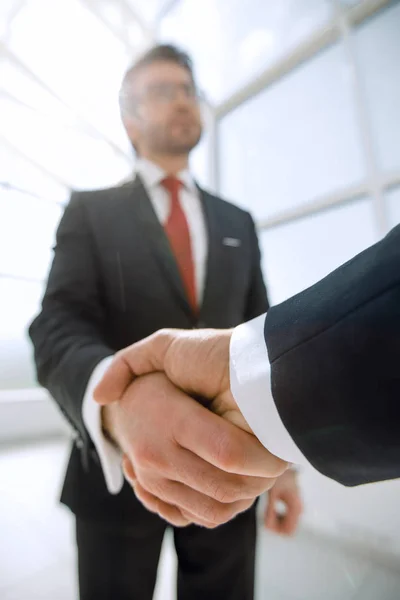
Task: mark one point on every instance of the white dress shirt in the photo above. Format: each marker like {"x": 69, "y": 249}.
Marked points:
{"x": 189, "y": 197}
{"x": 249, "y": 368}
{"x": 250, "y": 380}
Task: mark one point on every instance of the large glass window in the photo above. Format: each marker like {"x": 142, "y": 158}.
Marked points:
{"x": 20, "y": 173}
{"x": 149, "y": 10}
{"x": 20, "y": 302}
{"x": 27, "y": 228}
{"x": 350, "y": 3}
{"x": 393, "y": 204}
{"x": 199, "y": 162}
{"x": 6, "y": 11}
{"x": 200, "y": 156}
{"x": 378, "y": 51}
{"x": 78, "y": 56}
{"x": 296, "y": 141}
{"x": 231, "y": 40}
{"x": 298, "y": 254}
{"x": 78, "y": 159}
{"x": 17, "y": 369}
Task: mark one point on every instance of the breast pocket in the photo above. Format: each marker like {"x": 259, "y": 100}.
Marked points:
{"x": 229, "y": 281}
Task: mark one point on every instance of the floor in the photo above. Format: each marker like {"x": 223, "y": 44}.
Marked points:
{"x": 37, "y": 547}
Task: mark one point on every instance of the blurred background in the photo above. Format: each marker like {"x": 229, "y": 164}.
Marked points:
{"x": 303, "y": 129}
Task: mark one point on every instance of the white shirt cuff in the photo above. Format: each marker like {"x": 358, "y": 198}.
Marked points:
{"x": 250, "y": 375}
{"x": 110, "y": 457}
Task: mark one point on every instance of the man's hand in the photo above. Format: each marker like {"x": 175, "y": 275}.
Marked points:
{"x": 184, "y": 462}
{"x": 196, "y": 361}
{"x": 285, "y": 491}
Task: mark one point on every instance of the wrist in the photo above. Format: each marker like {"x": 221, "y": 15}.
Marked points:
{"x": 109, "y": 423}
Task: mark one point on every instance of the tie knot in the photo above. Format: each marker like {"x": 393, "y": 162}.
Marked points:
{"x": 172, "y": 185}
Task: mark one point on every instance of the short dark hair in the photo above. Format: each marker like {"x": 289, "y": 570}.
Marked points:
{"x": 160, "y": 53}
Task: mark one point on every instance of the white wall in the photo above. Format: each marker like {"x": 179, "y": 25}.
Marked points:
{"x": 29, "y": 414}
{"x": 366, "y": 517}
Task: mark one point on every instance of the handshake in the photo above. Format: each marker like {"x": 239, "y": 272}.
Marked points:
{"x": 188, "y": 452}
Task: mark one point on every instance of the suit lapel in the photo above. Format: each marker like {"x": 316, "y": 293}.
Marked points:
{"x": 217, "y": 270}
{"x": 158, "y": 242}
{"x": 135, "y": 201}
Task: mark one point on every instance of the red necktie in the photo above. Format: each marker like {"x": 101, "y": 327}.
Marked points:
{"x": 177, "y": 230}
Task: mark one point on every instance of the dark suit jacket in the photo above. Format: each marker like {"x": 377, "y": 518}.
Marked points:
{"x": 114, "y": 281}
{"x": 335, "y": 360}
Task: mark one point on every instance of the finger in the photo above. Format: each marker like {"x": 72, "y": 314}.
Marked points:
{"x": 128, "y": 469}
{"x": 271, "y": 517}
{"x": 130, "y": 475}
{"x": 194, "y": 472}
{"x": 202, "y": 507}
{"x": 291, "y": 519}
{"x": 138, "y": 359}
{"x": 172, "y": 514}
{"x": 153, "y": 504}
{"x": 286, "y": 526}
{"x": 197, "y": 521}
{"x": 168, "y": 512}
{"x": 224, "y": 445}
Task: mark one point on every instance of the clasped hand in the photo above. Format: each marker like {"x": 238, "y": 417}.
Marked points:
{"x": 188, "y": 461}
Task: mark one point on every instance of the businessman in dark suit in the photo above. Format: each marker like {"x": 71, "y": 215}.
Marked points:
{"x": 156, "y": 252}
{"x": 322, "y": 385}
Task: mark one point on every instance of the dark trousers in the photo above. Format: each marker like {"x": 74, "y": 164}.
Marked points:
{"x": 119, "y": 562}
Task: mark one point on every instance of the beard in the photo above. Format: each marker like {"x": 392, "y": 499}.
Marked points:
{"x": 176, "y": 139}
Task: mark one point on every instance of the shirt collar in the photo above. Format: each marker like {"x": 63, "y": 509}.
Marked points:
{"x": 152, "y": 174}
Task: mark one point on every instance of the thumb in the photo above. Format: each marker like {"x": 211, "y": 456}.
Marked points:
{"x": 139, "y": 359}
{"x": 114, "y": 382}
{"x": 270, "y": 516}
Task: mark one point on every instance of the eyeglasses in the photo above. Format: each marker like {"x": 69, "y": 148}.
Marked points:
{"x": 165, "y": 93}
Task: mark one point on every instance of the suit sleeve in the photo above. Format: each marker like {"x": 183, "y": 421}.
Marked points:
{"x": 257, "y": 300}
{"x": 334, "y": 351}
{"x": 68, "y": 334}
{"x": 250, "y": 382}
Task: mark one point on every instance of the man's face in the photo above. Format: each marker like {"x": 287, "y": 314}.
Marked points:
{"x": 165, "y": 116}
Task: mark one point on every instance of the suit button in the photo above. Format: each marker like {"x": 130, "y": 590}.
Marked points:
{"x": 79, "y": 443}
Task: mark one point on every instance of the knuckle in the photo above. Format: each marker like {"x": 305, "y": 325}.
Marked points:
{"x": 278, "y": 467}
{"x": 118, "y": 355}
{"x": 181, "y": 425}
{"x": 227, "y": 492}
{"x": 224, "y": 451}
{"x": 254, "y": 486}
{"x": 163, "y": 336}
{"x": 269, "y": 483}
{"x": 221, "y": 493}
{"x": 221, "y": 514}
{"x": 228, "y": 512}
{"x": 215, "y": 513}
{"x": 232, "y": 510}
{"x": 147, "y": 501}
{"x": 164, "y": 332}
{"x": 211, "y": 513}
{"x": 210, "y": 525}
{"x": 239, "y": 456}
{"x": 157, "y": 487}
{"x": 145, "y": 454}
